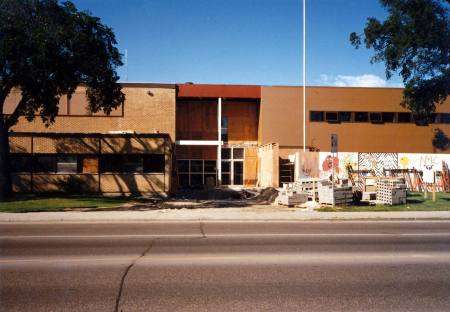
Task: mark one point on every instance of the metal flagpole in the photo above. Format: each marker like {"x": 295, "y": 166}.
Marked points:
{"x": 304, "y": 75}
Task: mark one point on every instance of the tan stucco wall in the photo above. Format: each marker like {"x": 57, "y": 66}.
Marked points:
{"x": 281, "y": 120}
{"x": 146, "y": 110}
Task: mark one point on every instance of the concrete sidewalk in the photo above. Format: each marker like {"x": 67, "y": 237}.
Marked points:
{"x": 263, "y": 213}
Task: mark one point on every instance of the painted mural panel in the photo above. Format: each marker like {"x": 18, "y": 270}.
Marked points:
{"x": 377, "y": 162}
{"x": 427, "y": 163}
{"x": 309, "y": 162}
{"x": 340, "y": 161}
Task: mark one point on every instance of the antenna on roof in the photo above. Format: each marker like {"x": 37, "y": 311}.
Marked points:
{"x": 126, "y": 65}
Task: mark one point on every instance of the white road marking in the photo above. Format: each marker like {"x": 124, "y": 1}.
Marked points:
{"x": 231, "y": 235}
{"x": 249, "y": 258}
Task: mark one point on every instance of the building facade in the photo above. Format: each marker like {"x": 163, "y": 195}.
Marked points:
{"x": 167, "y": 136}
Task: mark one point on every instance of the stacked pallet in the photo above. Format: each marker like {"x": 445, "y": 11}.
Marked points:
{"x": 342, "y": 195}
{"x": 391, "y": 191}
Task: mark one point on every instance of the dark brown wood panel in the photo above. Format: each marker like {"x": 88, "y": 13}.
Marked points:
{"x": 242, "y": 120}
{"x": 196, "y": 120}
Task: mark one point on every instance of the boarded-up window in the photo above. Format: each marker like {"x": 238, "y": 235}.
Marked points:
{"x": 89, "y": 164}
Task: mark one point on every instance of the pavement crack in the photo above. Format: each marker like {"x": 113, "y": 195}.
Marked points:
{"x": 125, "y": 273}
{"x": 202, "y": 229}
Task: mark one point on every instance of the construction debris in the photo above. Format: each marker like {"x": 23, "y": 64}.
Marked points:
{"x": 391, "y": 191}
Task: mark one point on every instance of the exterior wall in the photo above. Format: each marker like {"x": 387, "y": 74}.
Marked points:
{"x": 281, "y": 120}
{"x": 90, "y": 180}
{"x": 268, "y": 174}
{"x": 148, "y": 108}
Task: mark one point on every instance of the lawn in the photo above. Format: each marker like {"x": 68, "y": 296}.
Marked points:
{"x": 415, "y": 202}
{"x": 59, "y": 203}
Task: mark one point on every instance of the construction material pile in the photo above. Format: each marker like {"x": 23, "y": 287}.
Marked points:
{"x": 391, "y": 191}
{"x": 308, "y": 186}
{"x": 288, "y": 196}
{"x": 341, "y": 195}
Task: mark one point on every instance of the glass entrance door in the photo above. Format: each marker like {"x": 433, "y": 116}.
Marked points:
{"x": 232, "y": 166}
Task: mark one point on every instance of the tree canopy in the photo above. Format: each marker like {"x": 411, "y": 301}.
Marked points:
{"x": 47, "y": 49}
{"x": 413, "y": 41}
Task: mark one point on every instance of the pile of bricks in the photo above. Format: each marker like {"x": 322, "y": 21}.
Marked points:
{"x": 291, "y": 198}
{"x": 308, "y": 186}
{"x": 391, "y": 191}
{"x": 342, "y": 195}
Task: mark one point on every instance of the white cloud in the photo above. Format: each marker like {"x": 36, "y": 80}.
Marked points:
{"x": 366, "y": 80}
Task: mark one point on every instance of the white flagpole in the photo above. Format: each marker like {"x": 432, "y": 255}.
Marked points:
{"x": 304, "y": 75}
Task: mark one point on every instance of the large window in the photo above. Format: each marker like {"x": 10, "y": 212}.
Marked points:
{"x": 67, "y": 164}
{"x": 21, "y": 163}
{"x": 196, "y": 172}
{"x": 132, "y": 163}
{"x": 45, "y": 164}
{"x": 375, "y": 117}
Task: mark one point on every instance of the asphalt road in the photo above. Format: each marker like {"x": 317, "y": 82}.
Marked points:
{"x": 213, "y": 266}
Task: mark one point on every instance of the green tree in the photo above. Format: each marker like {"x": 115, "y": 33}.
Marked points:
{"x": 47, "y": 49}
{"x": 414, "y": 41}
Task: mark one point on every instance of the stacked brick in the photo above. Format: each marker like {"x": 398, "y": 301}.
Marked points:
{"x": 391, "y": 191}
{"x": 342, "y": 195}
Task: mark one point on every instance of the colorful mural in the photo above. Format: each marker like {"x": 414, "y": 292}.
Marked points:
{"x": 340, "y": 162}
{"x": 427, "y": 163}
{"x": 377, "y": 162}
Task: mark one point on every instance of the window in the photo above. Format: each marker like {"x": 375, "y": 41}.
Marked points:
{"x": 345, "y": 116}
{"x": 226, "y": 153}
{"x": 111, "y": 163}
{"x": 238, "y": 153}
{"x": 316, "y": 116}
{"x": 375, "y": 117}
{"x": 45, "y": 164}
{"x": 154, "y": 163}
{"x": 66, "y": 164}
{"x": 331, "y": 116}
{"x": 404, "y": 117}
{"x": 445, "y": 118}
{"x": 387, "y": 117}
{"x": 224, "y": 129}
{"x": 210, "y": 166}
{"x": 20, "y": 163}
{"x": 361, "y": 116}
{"x": 238, "y": 172}
{"x": 196, "y": 172}
{"x": 132, "y": 163}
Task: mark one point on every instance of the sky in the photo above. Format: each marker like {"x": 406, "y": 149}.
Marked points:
{"x": 242, "y": 41}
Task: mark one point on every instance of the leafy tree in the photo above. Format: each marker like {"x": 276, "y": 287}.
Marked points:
{"x": 47, "y": 49}
{"x": 414, "y": 40}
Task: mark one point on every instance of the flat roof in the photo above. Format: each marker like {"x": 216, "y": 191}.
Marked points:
{"x": 214, "y": 91}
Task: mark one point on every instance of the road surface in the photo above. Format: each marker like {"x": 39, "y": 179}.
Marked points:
{"x": 225, "y": 266}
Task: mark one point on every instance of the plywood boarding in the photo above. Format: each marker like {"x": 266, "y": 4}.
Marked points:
{"x": 196, "y": 120}
{"x": 242, "y": 120}
{"x": 250, "y": 167}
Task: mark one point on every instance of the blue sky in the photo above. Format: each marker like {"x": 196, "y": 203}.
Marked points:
{"x": 242, "y": 41}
